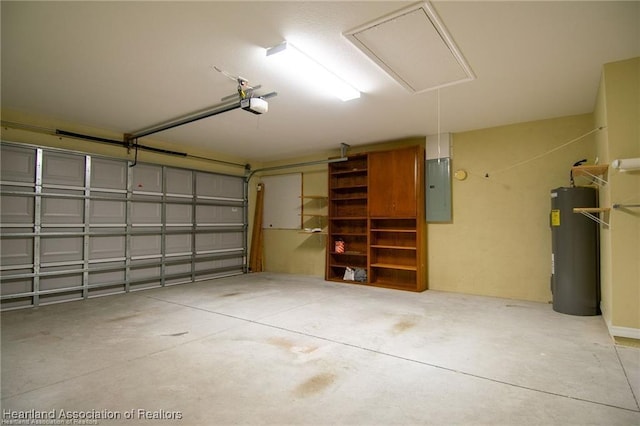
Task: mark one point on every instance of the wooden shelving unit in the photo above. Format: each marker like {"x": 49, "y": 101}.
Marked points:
{"x": 376, "y": 207}
{"x": 348, "y": 196}
{"x": 394, "y": 246}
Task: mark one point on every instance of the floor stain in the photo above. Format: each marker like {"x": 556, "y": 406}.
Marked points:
{"x": 515, "y": 306}
{"x": 281, "y": 342}
{"x": 305, "y": 349}
{"x": 290, "y": 346}
{"x": 231, "y": 294}
{"x": 27, "y": 336}
{"x": 402, "y": 326}
{"x": 122, "y": 318}
{"x": 177, "y": 334}
{"x": 315, "y": 384}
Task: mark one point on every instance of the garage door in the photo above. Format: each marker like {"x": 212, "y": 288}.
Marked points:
{"x": 75, "y": 226}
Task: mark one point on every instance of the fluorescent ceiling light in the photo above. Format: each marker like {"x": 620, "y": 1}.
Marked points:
{"x": 314, "y": 73}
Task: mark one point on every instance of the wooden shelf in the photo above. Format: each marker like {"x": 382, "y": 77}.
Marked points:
{"x": 591, "y": 209}
{"x": 393, "y": 247}
{"x": 393, "y": 284}
{"x": 349, "y": 218}
{"x": 341, "y": 280}
{"x": 348, "y": 172}
{"x": 589, "y": 170}
{"x": 341, "y": 265}
{"x": 349, "y": 198}
{"x": 347, "y": 187}
{"x": 593, "y": 212}
{"x": 391, "y": 266}
{"x": 315, "y": 197}
{"x": 593, "y": 171}
{"x": 413, "y": 231}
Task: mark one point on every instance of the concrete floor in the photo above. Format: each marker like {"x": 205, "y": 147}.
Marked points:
{"x": 282, "y": 349}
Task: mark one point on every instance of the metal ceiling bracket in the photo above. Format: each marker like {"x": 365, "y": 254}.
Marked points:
{"x": 128, "y": 142}
{"x": 343, "y": 149}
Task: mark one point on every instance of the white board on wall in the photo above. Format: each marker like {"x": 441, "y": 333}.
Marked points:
{"x": 282, "y": 202}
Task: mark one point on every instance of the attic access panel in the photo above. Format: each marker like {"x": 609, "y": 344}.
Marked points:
{"x": 414, "y": 47}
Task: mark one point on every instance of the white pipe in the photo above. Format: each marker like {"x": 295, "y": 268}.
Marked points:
{"x": 626, "y": 164}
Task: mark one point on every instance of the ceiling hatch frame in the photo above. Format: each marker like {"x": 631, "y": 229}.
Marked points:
{"x": 414, "y": 47}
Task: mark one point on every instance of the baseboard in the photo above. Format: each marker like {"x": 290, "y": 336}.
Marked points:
{"x": 615, "y": 331}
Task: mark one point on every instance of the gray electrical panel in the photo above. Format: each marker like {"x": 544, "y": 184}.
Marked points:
{"x": 575, "y": 275}
{"x": 438, "y": 190}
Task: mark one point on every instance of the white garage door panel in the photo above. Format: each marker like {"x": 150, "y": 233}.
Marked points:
{"x": 107, "y": 247}
{"x": 17, "y": 164}
{"x": 59, "y": 282}
{"x": 147, "y": 178}
{"x": 60, "y": 249}
{"x": 108, "y": 277}
{"x": 146, "y": 213}
{"x": 16, "y": 209}
{"x": 107, "y": 212}
{"x": 58, "y": 297}
{"x": 209, "y": 185}
{"x": 16, "y": 251}
{"x": 214, "y": 241}
{"x": 146, "y": 245}
{"x": 62, "y": 211}
{"x": 218, "y": 215}
{"x": 63, "y": 169}
{"x": 17, "y": 286}
{"x": 108, "y": 174}
{"x": 140, "y": 273}
{"x": 179, "y": 181}
{"x": 179, "y": 214}
{"x": 178, "y": 243}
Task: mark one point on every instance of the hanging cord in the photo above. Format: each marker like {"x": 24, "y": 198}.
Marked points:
{"x": 577, "y": 163}
{"x": 513, "y": 166}
{"x": 439, "y": 154}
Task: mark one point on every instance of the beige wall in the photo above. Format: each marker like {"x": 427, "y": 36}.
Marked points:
{"x": 499, "y": 243}
{"x": 618, "y": 108}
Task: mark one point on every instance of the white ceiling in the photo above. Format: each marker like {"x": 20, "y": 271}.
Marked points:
{"x": 124, "y": 66}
